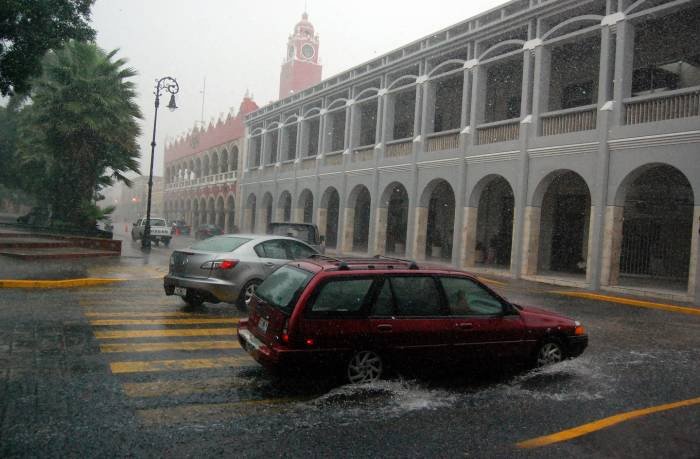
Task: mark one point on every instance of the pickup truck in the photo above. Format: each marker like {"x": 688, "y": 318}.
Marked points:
{"x": 160, "y": 230}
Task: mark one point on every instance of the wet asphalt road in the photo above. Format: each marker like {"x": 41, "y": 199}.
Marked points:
{"x": 122, "y": 370}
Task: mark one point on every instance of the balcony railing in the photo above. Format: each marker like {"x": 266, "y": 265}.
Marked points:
{"x": 500, "y": 131}
{"x": 668, "y": 105}
{"x": 308, "y": 163}
{"x": 334, "y": 158}
{"x": 398, "y": 148}
{"x": 222, "y": 177}
{"x": 365, "y": 153}
{"x": 287, "y": 167}
{"x": 439, "y": 141}
{"x": 569, "y": 120}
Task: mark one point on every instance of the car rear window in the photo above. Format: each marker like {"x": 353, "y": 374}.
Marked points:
{"x": 220, "y": 244}
{"x": 282, "y": 287}
{"x": 157, "y": 222}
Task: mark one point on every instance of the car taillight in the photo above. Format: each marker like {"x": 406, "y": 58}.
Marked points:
{"x": 219, "y": 264}
{"x": 285, "y": 334}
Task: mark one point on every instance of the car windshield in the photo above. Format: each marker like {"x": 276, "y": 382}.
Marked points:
{"x": 157, "y": 222}
{"x": 282, "y": 287}
{"x": 220, "y": 244}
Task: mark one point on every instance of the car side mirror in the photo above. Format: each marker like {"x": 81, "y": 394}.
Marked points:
{"x": 322, "y": 239}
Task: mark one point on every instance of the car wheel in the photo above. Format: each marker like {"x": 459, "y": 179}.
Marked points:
{"x": 166, "y": 242}
{"x": 550, "y": 352}
{"x": 246, "y": 294}
{"x": 193, "y": 299}
{"x": 365, "y": 367}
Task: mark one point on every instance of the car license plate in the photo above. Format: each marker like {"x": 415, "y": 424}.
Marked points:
{"x": 262, "y": 325}
{"x": 180, "y": 291}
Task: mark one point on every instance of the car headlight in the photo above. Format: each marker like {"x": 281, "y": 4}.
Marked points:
{"x": 579, "y": 329}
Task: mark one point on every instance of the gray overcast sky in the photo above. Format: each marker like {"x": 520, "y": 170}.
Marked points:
{"x": 239, "y": 45}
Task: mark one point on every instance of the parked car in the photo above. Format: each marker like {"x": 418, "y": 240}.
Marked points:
{"x": 159, "y": 232}
{"x": 228, "y": 268}
{"x": 360, "y": 317}
{"x": 182, "y": 227}
{"x": 306, "y": 232}
{"x": 206, "y": 231}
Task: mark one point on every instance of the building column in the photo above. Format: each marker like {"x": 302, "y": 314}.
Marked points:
{"x": 322, "y": 220}
{"x": 611, "y": 245}
{"x": 420, "y": 233}
{"x": 380, "y": 229}
{"x": 693, "y": 271}
{"x": 348, "y": 231}
{"x": 531, "y": 240}
{"x": 624, "y": 61}
{"x": 468, "y": 235}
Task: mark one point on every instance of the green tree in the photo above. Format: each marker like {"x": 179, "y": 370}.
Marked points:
{"x": 79, "y": 133}
{"x": 29, "y": 28}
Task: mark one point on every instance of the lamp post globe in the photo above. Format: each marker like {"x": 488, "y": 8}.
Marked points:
{"x": 165, "y": 84}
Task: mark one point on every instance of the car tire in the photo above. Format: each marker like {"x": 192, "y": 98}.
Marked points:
{"x": 246, "y": 294}
{"x": 550, "y": 351}
{"x": 364, "y": 367}
{"x": 166, "y": 242}
{"x": 193, "y": 299}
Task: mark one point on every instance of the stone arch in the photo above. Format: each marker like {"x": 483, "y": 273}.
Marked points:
{"x": 559, "y": 242}
{"x": 305, "y": 207}
{"x": 392, "y": 220}
{"x": 211, "y": 211}
{"x": 357, "y": 219}
{"x": 231, "y": 215}
{"x": 650, "y": 229}
{"x": 234, "y": 158}
{"x": 435, "y": 219}
{"x": 214, "y": 163}
{"x": 489, "y": 220}
{"x": 205, "y": 166}
{"x": 198, "y": 168}
{"x": 328, "y": 216}
{"x": 249, "y": 214}
{"x": 202, "y": 211}
{"x": 224, "y": 165}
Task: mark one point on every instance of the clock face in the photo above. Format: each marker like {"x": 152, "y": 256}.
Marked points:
{"x": 307, "y": 51}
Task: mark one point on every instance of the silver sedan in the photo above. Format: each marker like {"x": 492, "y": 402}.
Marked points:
{"x": 228, "y": 268}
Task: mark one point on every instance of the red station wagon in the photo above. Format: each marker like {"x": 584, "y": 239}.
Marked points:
{"x": 361, "y": 316}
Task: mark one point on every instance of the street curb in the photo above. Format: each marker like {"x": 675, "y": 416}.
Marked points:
{"x": 66, "y": 283}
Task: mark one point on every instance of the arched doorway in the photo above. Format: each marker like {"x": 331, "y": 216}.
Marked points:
{"x": 357, "y": 219}
{"x": 203, "y": 211}
{"x": 494, "y": 223}
{"x": 306, "y": 207}
{"x": 211, "y": 210}
{"x": 395, "y": 198}
{"x": 231, "y": 215}
{"x": 267, "y": 209}
{"x": 439, "y": 200}
{"x": 564, "y": 224}
{"x": 249, "y": 216}
{"x": 195, "y": 215}
{"x": 656, "y": 229}
{"x": 285, "y": 206}
{"x": 220, "y": 213}
{"x": 328, "y": 214}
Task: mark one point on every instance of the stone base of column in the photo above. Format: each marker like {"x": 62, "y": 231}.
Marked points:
{"x": 380, "y": 232}
{"x": 348, "y": 230}
{"x": 531, "y": 240}
{"x": 420, "y": 234}
{"x": 612, "y": 246}
{"x": 468, "y": 258}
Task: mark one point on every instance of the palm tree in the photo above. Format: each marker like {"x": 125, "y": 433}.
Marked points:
{"x": 80, "y": 129}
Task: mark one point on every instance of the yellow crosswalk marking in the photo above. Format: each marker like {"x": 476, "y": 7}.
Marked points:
{"x": 139, "y": 313}
{"x": 171, "y": 346}
{"x": 174, "y": 388}
{"x": 201, "y": 412}
{"x": 117, "y": 334}
{"x": 104, "y": 322}
{"x": 175, "y": 365}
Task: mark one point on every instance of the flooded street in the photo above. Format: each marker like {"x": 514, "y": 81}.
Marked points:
{"x": 121, "y": 369}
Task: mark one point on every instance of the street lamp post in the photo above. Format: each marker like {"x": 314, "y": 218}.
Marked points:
{"x": 170, "y": 85}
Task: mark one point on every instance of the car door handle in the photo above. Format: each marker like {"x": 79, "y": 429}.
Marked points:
{"x": 384, "y": 328}
{"x": 269, "y": 263}
{"x": 465, "y": 326}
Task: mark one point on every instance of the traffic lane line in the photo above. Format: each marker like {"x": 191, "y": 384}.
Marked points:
{"x": 149, "y": 366}
{"x": 590, "y": 427}
{"x": 65, "y": 283}
{"x": 168, "y": 346}
{"x": 206, "y": 412}
{"x": 174, "y": 388}
{"x": 119, "y": 334}
{"x": 628, "y": 301}
{"x": 111, "y": 322}
{"x": 137, "y": 313}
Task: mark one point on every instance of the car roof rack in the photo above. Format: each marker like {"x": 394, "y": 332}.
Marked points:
{"x": 411, "y": 263}
{"x": 342, "y": 264}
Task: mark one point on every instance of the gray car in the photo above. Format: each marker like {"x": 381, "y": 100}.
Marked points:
{"x": 228, "y": 268}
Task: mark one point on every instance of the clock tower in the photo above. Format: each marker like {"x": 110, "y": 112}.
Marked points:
{"x": 300, "y": 68}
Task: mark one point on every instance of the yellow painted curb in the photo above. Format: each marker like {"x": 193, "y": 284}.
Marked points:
{"x": 66, "y": 283}
{"x": 585, "y": 429}
{"x": 628, "y": 302}
{"x": 486, "y": 280}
